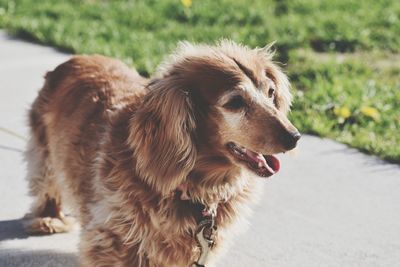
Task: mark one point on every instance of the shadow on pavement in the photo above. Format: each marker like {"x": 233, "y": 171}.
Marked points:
{"x": 12, "y": 229}
{"x": 11, "y": 149}
{"x": 37, "y": 258}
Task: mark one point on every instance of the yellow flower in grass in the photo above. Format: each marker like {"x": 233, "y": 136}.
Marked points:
{"x": 370, "y": 112}
{"x": 186, "y": 3}
{"x": 342, "y": 112}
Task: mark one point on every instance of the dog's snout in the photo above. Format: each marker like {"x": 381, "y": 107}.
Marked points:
{"x": 296, "y": 135}
{"x": 290, "y": 139}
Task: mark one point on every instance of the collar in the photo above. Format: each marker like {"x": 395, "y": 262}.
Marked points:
{"x": 206, "y": 230}
{"x": 205, "y": 235}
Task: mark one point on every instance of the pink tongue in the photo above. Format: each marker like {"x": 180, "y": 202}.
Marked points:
{"x": 261, "y": 162}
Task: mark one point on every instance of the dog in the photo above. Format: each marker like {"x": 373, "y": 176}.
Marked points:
{"x": 160, "y": 171}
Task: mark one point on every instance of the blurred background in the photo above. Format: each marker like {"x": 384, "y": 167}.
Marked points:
{"x": 342, "y": 56}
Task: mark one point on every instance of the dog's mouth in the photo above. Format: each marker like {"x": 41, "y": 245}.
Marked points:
{"x": 262, "y": 165}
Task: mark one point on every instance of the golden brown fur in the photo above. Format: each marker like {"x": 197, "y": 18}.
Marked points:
{"x": 115, "y": 147}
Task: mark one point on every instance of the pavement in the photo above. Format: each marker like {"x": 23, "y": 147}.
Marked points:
{"x": 329, "y": 205}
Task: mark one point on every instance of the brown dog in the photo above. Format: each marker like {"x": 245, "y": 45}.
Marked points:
{"x": 158, "y": 171}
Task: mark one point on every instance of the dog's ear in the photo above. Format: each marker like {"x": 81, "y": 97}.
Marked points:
{"x": 162, "y": 135}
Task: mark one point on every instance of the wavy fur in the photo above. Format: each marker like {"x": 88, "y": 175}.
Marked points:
{"x": 116, "y": 147}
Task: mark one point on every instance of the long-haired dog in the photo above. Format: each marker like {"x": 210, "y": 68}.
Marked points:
{"x": 149, "y": 166}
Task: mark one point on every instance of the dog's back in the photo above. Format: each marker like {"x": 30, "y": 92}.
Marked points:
{"x": 67, "y": 120}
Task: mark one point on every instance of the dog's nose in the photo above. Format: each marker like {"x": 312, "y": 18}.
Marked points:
{"x": 290, "y": 139}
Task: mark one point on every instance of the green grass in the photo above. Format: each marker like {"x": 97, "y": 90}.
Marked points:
{"x": 342, "y": 56}
{"x": 365, "y": 84}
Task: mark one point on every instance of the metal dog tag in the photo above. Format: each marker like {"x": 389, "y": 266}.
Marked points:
{"x": 205, "y": 237}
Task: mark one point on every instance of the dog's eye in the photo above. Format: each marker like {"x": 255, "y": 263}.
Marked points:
{"x": 271, "y": 92}
{"x": 235, "y": 103}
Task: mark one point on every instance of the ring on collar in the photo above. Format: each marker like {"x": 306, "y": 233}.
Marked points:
{"x": 205, "y": 236}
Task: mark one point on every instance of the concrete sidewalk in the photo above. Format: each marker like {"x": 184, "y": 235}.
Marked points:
{"x": 329, "y": 205}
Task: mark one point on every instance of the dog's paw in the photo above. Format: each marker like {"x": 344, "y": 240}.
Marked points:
{"x": 48, "y": 225}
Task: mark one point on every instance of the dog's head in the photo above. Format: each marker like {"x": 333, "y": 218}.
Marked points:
{"x": 226, "y": 98}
